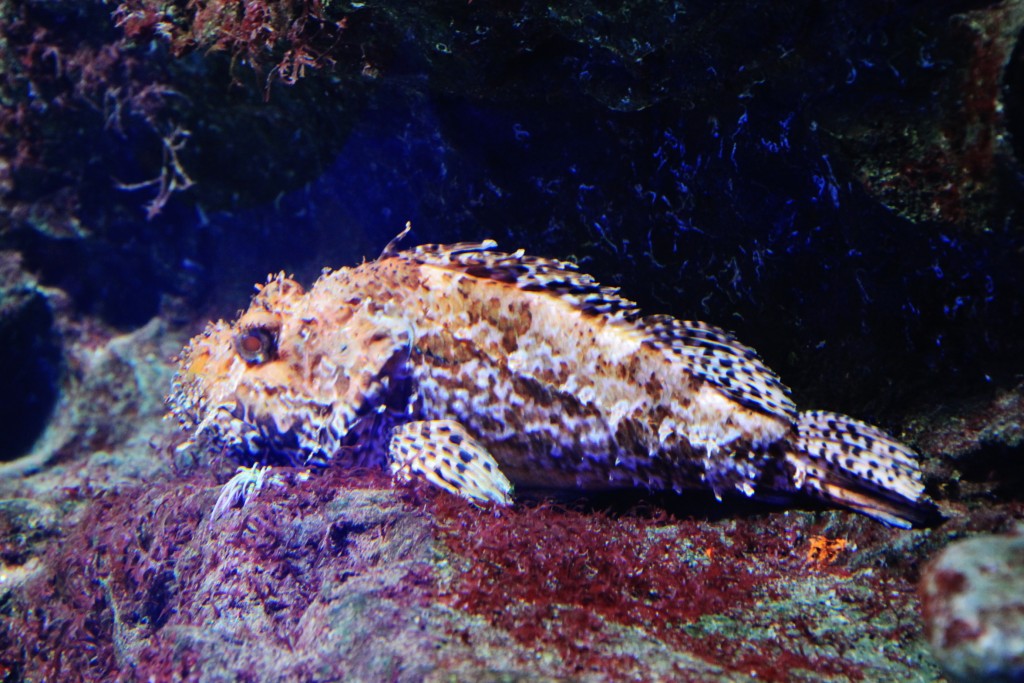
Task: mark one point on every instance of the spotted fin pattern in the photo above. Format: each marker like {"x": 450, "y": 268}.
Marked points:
{"x": 443, "y": 453}
{"x": 718, "y": 357}
{"x": 706, "y": 351}
{"x": 847, "y": 461}
{"x": 529, "y": 273}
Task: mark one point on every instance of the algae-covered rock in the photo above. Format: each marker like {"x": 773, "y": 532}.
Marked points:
{"x": 25, "y": 525}
{"x": 341, "y": 576}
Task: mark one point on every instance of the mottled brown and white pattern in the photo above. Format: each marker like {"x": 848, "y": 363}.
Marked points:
{"x": 466, "y": 366}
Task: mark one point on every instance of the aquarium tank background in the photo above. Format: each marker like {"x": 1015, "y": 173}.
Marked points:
{"x": 838, "y": 183}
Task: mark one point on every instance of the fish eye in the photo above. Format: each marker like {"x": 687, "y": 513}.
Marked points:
{"x": 256, "y": 345}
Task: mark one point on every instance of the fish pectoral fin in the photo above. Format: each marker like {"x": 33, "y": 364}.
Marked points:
{"x": 443, "y": 453}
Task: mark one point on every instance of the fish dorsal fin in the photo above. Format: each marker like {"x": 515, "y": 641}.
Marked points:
{"x": 529, "y": 273}
{"x": 715, "y": 355}
{"x": 392, "y": 248}
{"x": 703, "y": 350}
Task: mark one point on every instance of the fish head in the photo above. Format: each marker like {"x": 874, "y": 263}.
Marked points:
{"x": 293, "y": 376}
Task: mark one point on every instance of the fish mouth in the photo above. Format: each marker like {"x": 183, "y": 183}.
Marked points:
{"x": 248, "y": 438}
{"x": 264, "y": 437}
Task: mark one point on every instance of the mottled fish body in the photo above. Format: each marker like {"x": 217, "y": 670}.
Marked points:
{"x": 473, "y": 368}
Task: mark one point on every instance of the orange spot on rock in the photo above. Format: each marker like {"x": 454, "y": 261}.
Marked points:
{"x": 825, "y": 550}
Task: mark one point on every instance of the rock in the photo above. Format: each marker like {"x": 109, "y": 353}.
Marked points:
{"x": 25, "y": 527}
{"x": 972, "y": 597}
{"x": 961, "y": 431}
{"x": 342, "y": 576}
{"x": 106, "y": 424}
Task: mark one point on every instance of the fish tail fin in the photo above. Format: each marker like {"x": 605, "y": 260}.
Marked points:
{"x": 844, "y": 461}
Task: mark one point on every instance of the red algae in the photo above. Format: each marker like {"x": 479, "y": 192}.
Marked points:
{"x": 282, "y": 39}
{"x": 115, "y": 565}
{"x": 134, "y": 560}
{"x": 634, "y": 594}
{"x": 564, "y": 578}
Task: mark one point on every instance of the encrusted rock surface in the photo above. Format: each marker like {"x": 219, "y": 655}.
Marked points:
{"x": 973, "y": 601}
{"x": 340, "y": 577}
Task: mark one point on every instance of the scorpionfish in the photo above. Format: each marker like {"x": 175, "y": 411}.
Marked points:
{"x": 475, "y": 370}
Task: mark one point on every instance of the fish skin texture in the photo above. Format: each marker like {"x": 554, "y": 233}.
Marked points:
{"x": 552, "y": 380}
